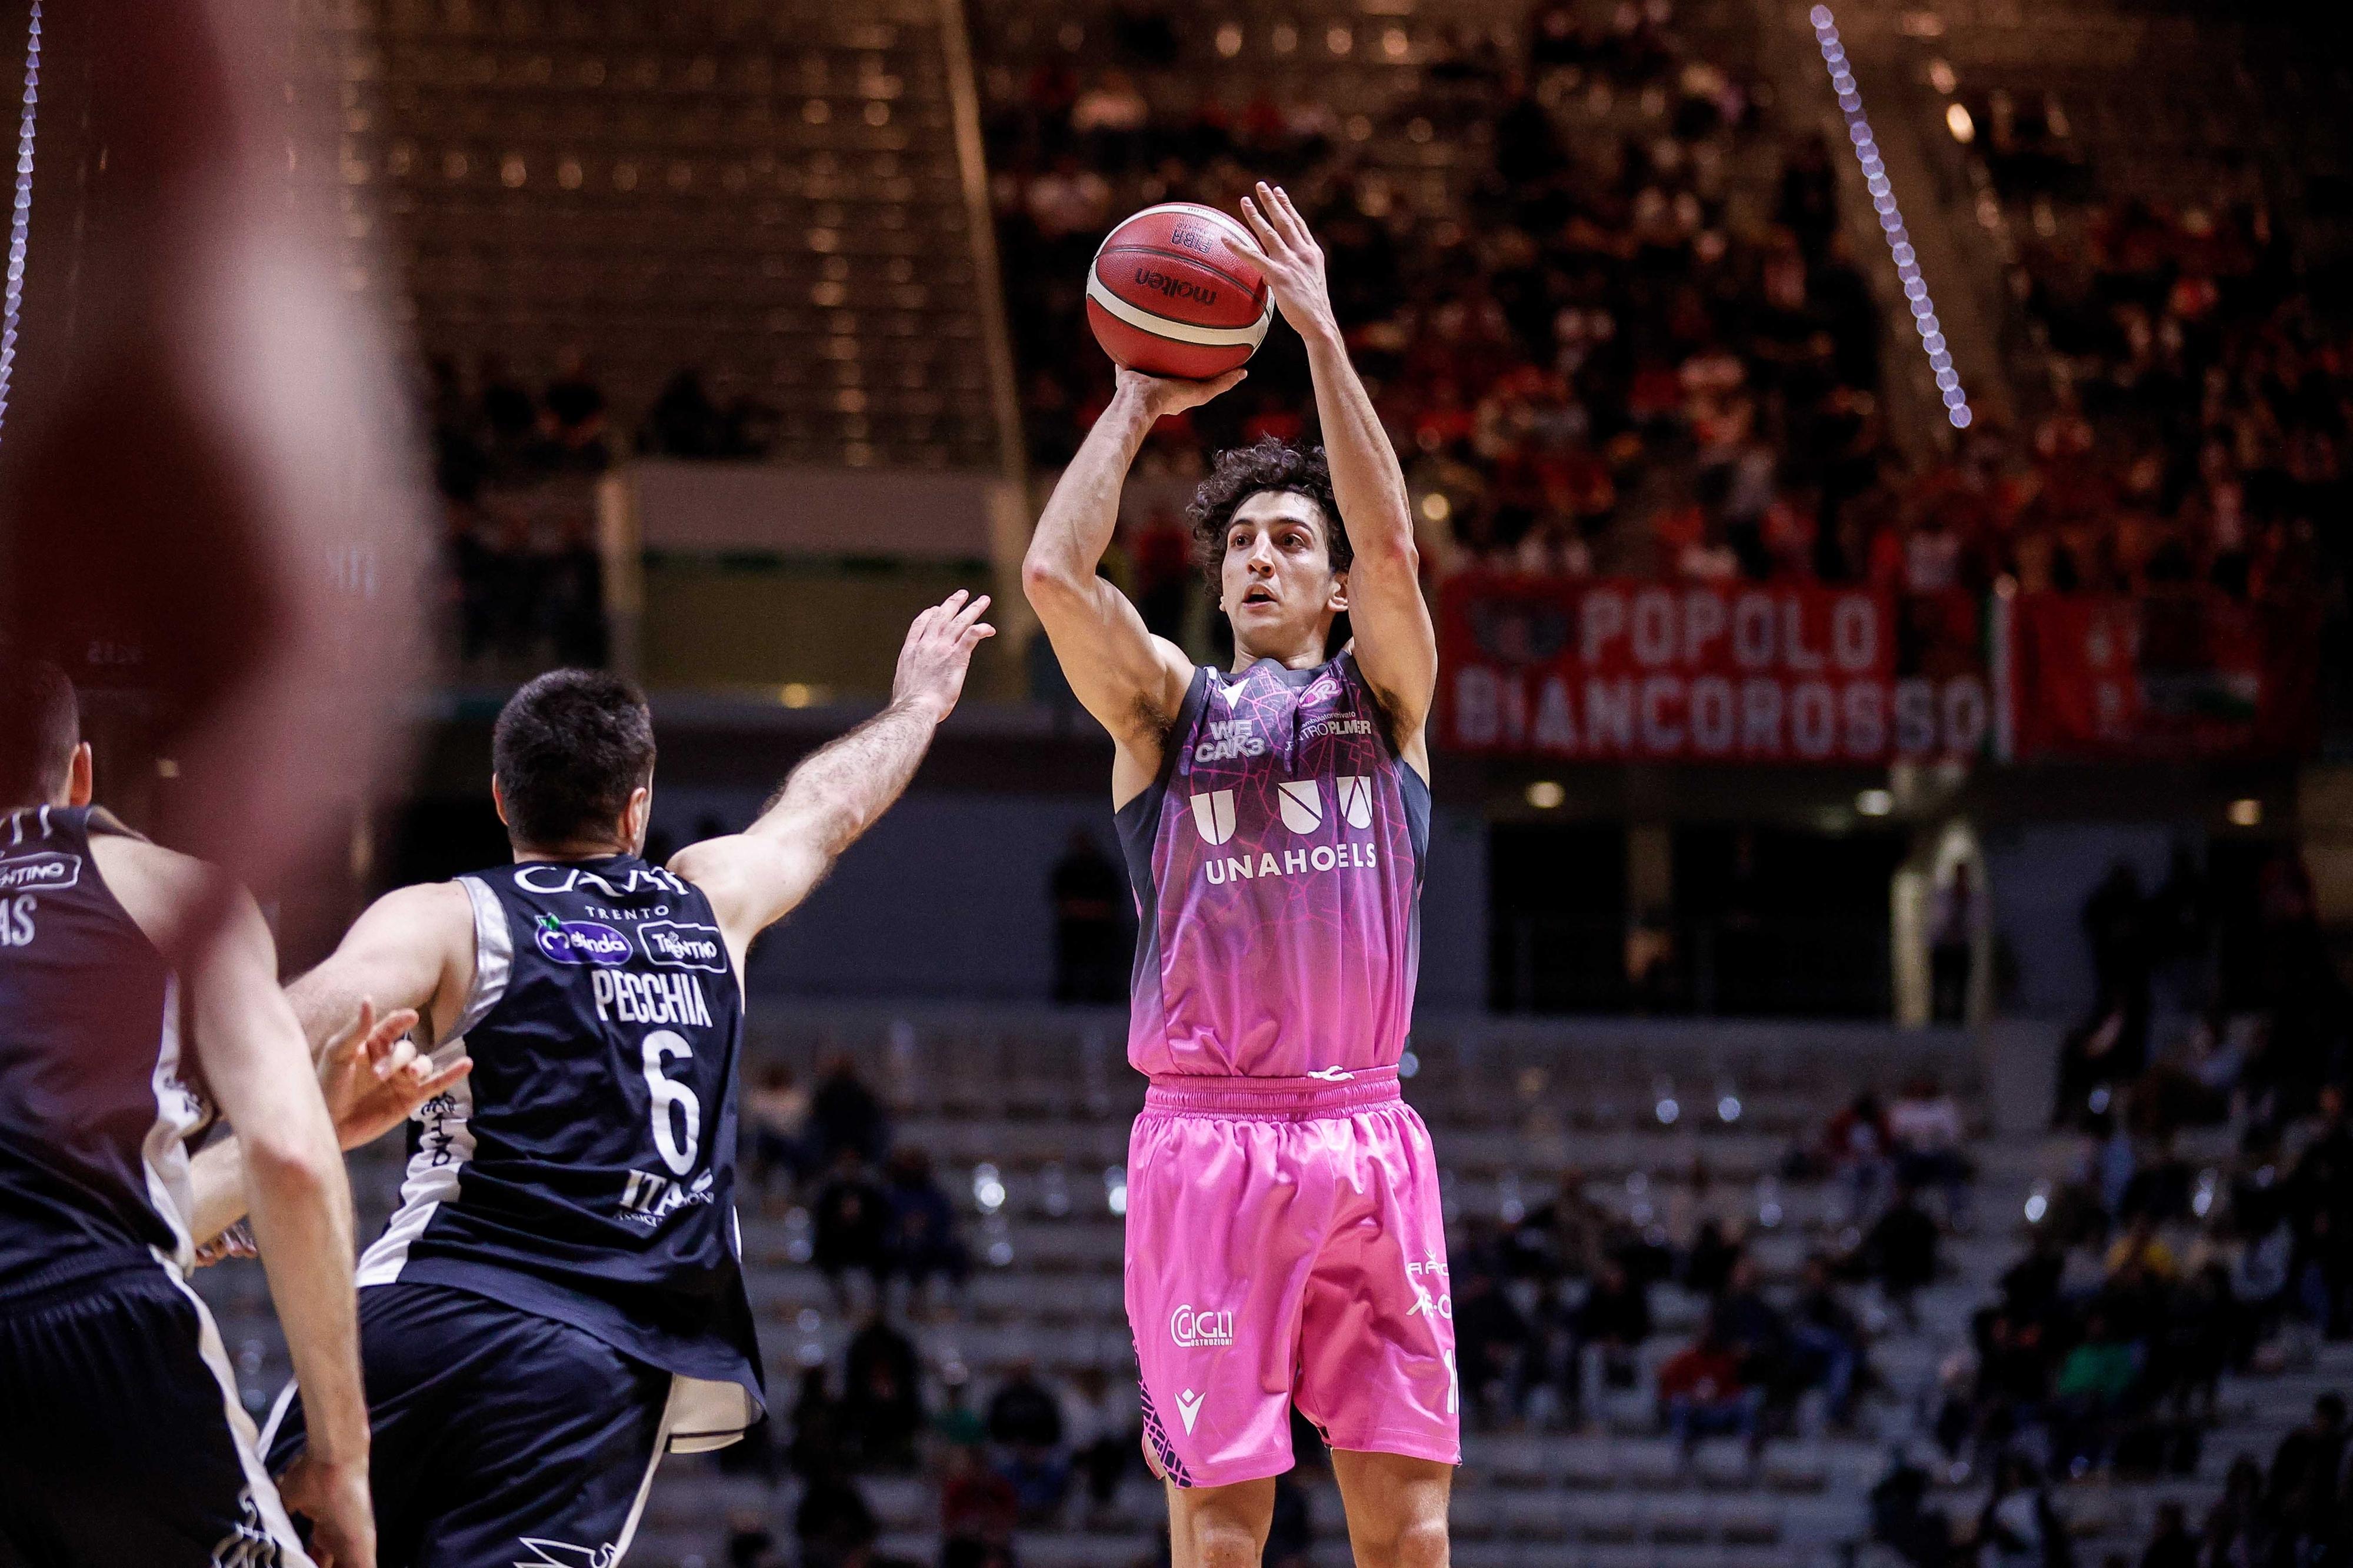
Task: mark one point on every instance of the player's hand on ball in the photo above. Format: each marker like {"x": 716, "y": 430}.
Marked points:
{"x": 938, "y": 652}
{"x": 1161, "y": 395}
{"x": 334, "y": 1498}
{"x": 1292, "y": 262}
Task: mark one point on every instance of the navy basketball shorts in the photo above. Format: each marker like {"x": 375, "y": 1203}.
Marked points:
{"x": 120, "y": 1438}
{"x": 500, "y": 1435}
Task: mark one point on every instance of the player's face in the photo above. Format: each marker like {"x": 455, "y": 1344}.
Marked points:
{"x": 1275, "y": 579}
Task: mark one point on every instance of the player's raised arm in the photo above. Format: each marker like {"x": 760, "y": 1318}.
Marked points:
{"x": 1397, "y": 646}
{"x": 1132, "y": 681}
{"x": 753, "y": 878}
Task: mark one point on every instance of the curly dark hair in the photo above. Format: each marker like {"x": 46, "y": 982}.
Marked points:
{"x": 1241, "y": 472}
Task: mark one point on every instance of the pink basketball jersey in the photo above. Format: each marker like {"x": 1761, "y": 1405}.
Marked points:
{"x": 1277, "y": 865}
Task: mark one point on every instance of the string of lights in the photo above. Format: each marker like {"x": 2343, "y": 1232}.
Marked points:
{"x": 1890, "y": 219}
{"x": 12, "y": 297}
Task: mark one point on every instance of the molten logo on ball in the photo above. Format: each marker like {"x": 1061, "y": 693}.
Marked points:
{"x": 1174, "y": 288}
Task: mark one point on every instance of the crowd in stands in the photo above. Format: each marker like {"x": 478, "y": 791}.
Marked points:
{"x": 2155, "y": 1269}
{"x": 1554, "y": 1314}
{"x": 1594, "y": 360}
{"x": 523, "y": 580}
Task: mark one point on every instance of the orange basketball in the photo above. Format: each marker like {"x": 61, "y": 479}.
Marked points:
{"x": 1176, "y": 291}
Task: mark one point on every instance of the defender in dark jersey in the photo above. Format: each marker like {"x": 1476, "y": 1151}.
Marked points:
{"x": 121, "y": 1440}
{"x": 1285, "y": 1246}
{"x": 559, "y": 1299}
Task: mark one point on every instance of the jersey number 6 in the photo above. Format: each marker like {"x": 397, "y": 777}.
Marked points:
{"x": 669, "y": 1095}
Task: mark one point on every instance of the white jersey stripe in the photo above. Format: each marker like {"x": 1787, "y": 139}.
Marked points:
{"x": 260, "y": 1489}
{"x": 163, "y": 1155}
{"x": 447, "y": 1141}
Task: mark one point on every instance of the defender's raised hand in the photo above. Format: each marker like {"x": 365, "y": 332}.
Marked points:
{"x": 1292, "y": 262}
{"x": 938, "y": 653}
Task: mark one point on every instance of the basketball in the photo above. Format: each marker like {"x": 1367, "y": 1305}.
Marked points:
{"x": 1175, "y": 291}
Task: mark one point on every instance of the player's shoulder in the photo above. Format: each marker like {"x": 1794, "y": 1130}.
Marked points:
{"x": 443, "y": 907}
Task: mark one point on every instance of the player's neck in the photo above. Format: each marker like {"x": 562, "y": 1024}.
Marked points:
{"x": 584, "y": 849}
{"x": 1306, "y": 656}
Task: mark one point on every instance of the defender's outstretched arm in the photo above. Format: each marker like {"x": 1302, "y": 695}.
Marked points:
{"x": 414, "y": 950}
{"x": 1397, "y": 646}
{"x": 1132, "y": 681}
{"x": 754, "y": 877}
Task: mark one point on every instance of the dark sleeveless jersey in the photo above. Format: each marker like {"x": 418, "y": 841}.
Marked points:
{"x": 586, "y": 1169}
{"x": 93, "y": 1108}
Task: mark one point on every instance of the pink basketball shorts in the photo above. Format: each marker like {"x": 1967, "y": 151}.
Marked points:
{"x": 1284, "y": 1243}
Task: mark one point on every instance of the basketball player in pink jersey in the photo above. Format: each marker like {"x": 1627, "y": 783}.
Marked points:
{"x": 1283, "y": 1235}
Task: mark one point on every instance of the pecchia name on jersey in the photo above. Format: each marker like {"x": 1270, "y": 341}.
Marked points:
{"x": 16, "y": 920}
{"x": 1228, "y": 739}
{"x": 675, "y": 945}
{"x": 648, "y": 998}
{"x": 649, "y": 1199}
{"x": 579, "y": 941}
{"x": 1193, "y": 1329}
{"x": 1347, "y": 855}
{"x": 44, "y": 871}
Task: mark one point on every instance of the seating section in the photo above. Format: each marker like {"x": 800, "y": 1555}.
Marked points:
{"x": 768, "y": 192}
{"x": 1025, "y": 1115}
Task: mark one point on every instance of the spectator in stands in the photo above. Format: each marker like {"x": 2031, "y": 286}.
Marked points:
{"x": 573, "y": 416}
{"x": 1025, "y": 1422}
{"x": 1566, "y": 1237}
{"x": 2308, "y": 1462}
{"x": 683, "y": 422}
{"x": 507, "y": 414}
{"x": 1900, "y": 1251}
{"x": 836, "y": 1527}
{"x": 1490, "y": 1340}
{"x": 882, "y": 1406}
{"x": 1091, "y": 946}
{"x": 1856, "y": 1143}
{"x": 844, "y": 1115}
{"x": 977, "y": 1512}
{"x": 1952, "y": 932}
{"x": 923, "y": 1241}
{"x": 777, "y": 1115}
{"x": 2237, "y": 1533}
{"x": 1703, "y": 1394}
{"x": 1826, "y": 1339}
{"x": 2018, "y": 1528}
{"x": 1611, "y": 1325}
{"x": 750, "y": 1542}
{"x": 1901, "y": 1519}
{"x": 821, "y": 1432}
{"x": 2319, "y": 1202}
{"x": 2092, "y": 1394}
{"x": 1923, "y": 1126}
{"x": 1102, "y": 1422}
{"x": 572, "y": 598}
{"x": 2173, "y": 1546}
{"x": 851, "y": 1224}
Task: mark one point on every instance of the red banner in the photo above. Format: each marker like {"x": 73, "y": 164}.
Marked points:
{"x": 1695, "y": 671}
{"x": 2187, "y": 673}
